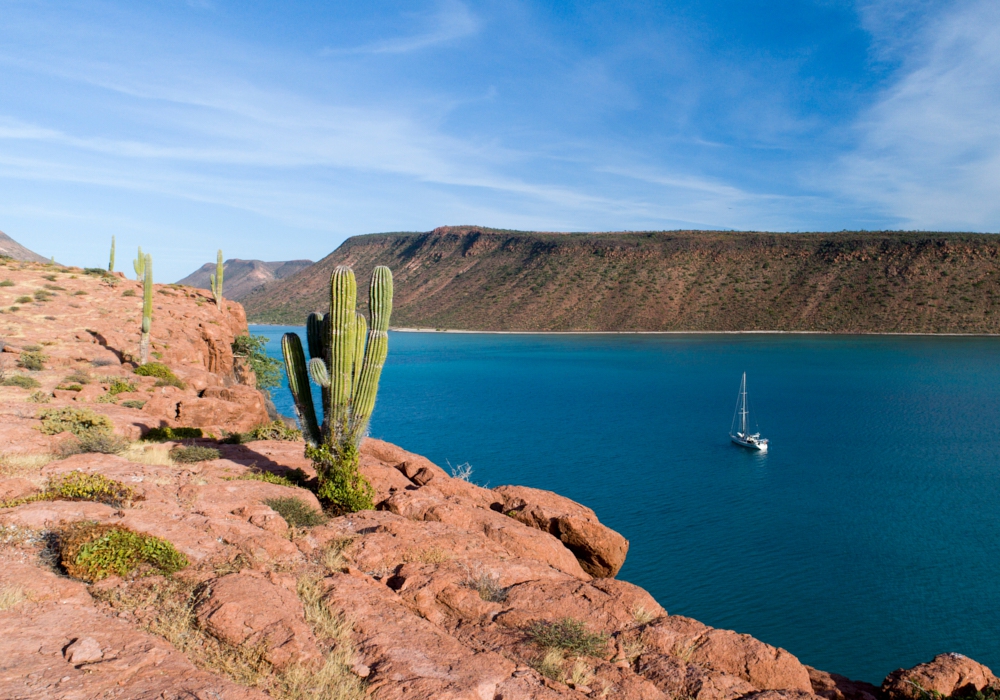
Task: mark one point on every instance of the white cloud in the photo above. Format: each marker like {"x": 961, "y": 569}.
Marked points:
{"x": 929, "y": 148}
{"x": 452, "y": 21}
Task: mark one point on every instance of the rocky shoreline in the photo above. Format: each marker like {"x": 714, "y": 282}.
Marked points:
{"x": 446, "y": 590}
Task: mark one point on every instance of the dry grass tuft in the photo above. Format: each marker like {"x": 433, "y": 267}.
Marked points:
{"x": 12, "y": 596}
{"x": 551, "y": 664}
{"x": 20, "y": 464}
{"x": 154, "y": 454}
{"x": 642, "y": 616}
{"x": 333, "y": 558}
{"x": 487, "y": 584}
{"x": 581, "y": 674}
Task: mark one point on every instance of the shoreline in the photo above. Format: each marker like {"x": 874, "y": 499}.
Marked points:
{"x": 754, "y": 332}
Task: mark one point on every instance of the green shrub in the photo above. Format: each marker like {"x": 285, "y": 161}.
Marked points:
{"x": 161, "y": 372}
{"x": 79, "y": 293}
{"x": 91, "y": 552}
{"x": 275, "y": 430}
{"x": 32, "y": 360}
{"x": 40, "y": 397}
{"x": 32, "y": 348}
{"x": 23, "y": 300}
{"x": 128, "y": 293}
{"x": 78, "y": 421}
{"x": 187, "y": 454}
{"x": 7, "y": 283}
{"x": 78, "y": 377}
{"x": 43, "y": 295}
{"x": 296, "y": 512}
{"x": 267, "y": 369}
{"x": 120, "y": 386}
{"x": 171, "y": 434}
{"x": 78, "y": 486}
{"x": 70, "y": 387}
{"x": 22, "y": 381}
{"x": 50, "y": 278}
{"x": 295, "y": 478}
{"x": 133, "y": 403}
{"x": 96, "y": 272}
{"x": 96, "y": 441}
{"x": 344, "y": 487}
{"x": 568, "y": 634}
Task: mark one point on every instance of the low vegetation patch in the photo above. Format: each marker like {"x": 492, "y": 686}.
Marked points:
{"x": 128, "y": 293}
{"x": 23, "y": 300}
{"x": 133, "y": 403}
{"x": 568, "y": 634}
{"x": 487, "y": 585}
{"x": 294, "y": 478}
{"x": 7, "y": 283}
{"x": 267, "y": 369}
{"x": 40, "y": 397}
{"x": 78, "y": 377}
{"x": 23, "y": 381}
{"x": 275, "y": 430}
{"x": 32, "y": 360}
{"x": 117, "y": 385}
{"x": 188, "y": 454}
{"x": 91, "y": 552}
{"x": 296, "y": 512}
{"x": 78, "y": 486}
{"x": 163, "y": 373}
{"x": 78, "y": 421}
{"x": 168, "y": 434}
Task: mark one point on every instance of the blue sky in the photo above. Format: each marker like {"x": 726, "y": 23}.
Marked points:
{"x": 276, "y": 130}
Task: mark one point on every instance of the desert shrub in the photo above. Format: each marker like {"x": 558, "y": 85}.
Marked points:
{"x": 161, "y": 372}
{"x": 43, "y": 295}
{"x": 78, "y": 377}
{"x": 188, "y": 454}
{"x": 120, "y": 386}
{"x": 50, "y": 278}
{"x": 169, "y": 434}
{"x": 133, "y": 403}
{"x": 32, "y": 348}
{"x": 78, "y": 421}
{"x": 91, "y": 552}
{"x": 487, "y": 585}
{"x": 267, "y": 369}
{"x": 40, "y": 397}
{"x": 568, "y": 634}
{"x": 70, "y": 387}
{"x": 342, "y": 485}
{"x": 128, "y": 293}
{"x": 296, "y": 512}
{"x": 102, "y": 362}
{"x": 296, "y": 477}
{"x": 32, "y": 360}
{"x": 22, "y": 381}
{"x": 96, "y": 271}
{"x": 97, "y": 441}
{"x": 7, "y": 283}
{"x": 23, "y": 300}
{"x": 54, "y": 287}
{"x": 78, "y": 486}
{"x": 275, "y": 430}
{"x": 79, "y": 293}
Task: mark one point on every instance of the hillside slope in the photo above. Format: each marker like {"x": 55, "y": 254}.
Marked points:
{"x": 12, "y": 249}
{"x": 241, "y": 277}
{"x": 482, "y": 279}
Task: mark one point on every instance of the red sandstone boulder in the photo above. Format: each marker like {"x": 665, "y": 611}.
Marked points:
{"x": 835, "y": 687}
{"x": 249, "y": 608}
{"x": 947, "y": 674}
{"x": 600, "y": 550}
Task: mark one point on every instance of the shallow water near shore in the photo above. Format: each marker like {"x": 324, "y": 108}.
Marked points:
{"x": 867, "y": 539}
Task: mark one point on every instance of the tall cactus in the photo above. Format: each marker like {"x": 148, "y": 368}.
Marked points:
{"x": 347, "y": 359}
{"x": 139, "y": 265}
{"x": 147, "y": 307}
{"x": 217, "y": 280}
{"x": 111, "y": 262}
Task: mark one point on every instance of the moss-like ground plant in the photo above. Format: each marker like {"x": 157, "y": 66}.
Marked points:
{"x": 91, "y": 552}
{"x": 32, "y": 360}
{"x": 188, "y": 454}
{"x": 161, "y": 372}
{"x": 168, "y": 434}
{"x": 22, "y": 381}
{"x": 296, "y": 512}
{"x": 79, "y": 486}
{"x": 296, "y": 478}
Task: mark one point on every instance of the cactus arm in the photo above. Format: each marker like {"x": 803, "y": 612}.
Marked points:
{"x": 380, "y": 302}
{"x": 319, "y": 373}
{"x": 343, "y": 299}
{"x": 298, "y": 383}
{"x": 147, "y": 307}
{"x": 111, "y": 262}
{"x": 314, "y": 335}
{"x": 360, "y": 332}
{"x": 139, "y": 265}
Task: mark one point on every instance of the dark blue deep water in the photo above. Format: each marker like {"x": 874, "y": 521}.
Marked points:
{"x": 868, "y": 539}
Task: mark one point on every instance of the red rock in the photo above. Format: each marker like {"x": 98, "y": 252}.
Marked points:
{"x": 11, "y": 489}
{"x": 836, "y": 687}
{"x": 84, "y": 650}
{"x": 947, "y": 674}
{"x": 248, "y": 609}
{"x": 600, "y": 549}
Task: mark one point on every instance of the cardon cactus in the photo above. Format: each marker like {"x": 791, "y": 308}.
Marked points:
{"x": 111, "y": 261}
{"x": 147, "y": 307}
{"x": 139, "y": 265}
{"x": 217, "y": 280}
{"x": 346, "y": 362}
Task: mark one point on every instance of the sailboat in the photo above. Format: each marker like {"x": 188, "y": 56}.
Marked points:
{"x": 743, "y": 436}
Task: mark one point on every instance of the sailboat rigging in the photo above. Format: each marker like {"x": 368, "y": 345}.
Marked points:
{"x": 739, "y": 431}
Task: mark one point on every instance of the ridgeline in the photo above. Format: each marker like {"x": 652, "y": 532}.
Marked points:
{"x": 474, "y": 278}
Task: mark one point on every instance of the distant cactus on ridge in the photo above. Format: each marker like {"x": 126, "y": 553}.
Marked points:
{"x": 217, "y": 280}
{"x": 147, "y": 307}
{"x": 111, "y": 262}
{"x": 139, "y": 265}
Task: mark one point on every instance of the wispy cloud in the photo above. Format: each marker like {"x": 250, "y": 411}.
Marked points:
{"x": 452, "y": 20}
{"x": 929, "y": 148}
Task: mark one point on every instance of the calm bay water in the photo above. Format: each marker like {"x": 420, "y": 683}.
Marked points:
{"x": 867, "y": 539}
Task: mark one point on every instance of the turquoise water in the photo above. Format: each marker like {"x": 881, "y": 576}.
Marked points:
{"x": 867, "y": 539}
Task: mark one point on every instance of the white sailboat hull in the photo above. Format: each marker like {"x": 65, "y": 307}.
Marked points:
{"x": 750, "y": 442}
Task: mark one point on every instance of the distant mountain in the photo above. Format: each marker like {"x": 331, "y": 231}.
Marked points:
{"x": 241, "y": 277}
{"x": 12, "y": 249}
{"x": 473, "y": 278}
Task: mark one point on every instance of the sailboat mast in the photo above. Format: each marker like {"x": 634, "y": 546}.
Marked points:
{"x": 743, "y": 404}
